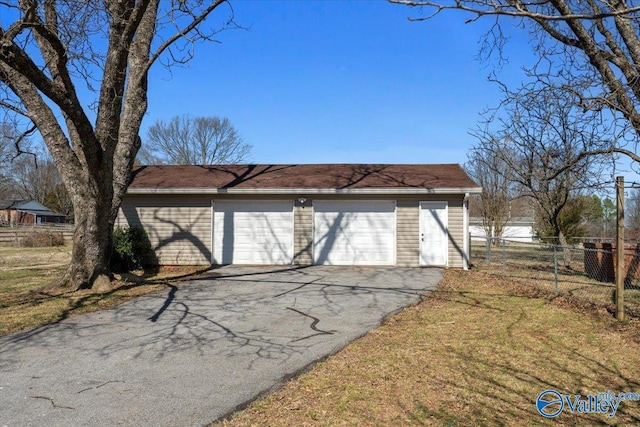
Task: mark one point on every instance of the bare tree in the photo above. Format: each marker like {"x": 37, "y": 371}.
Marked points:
{"x": 586, "y": 49}
{"x": 535, "y": 141}
{"x": 147, "y": 157}
{"x": 17, "y": 152}
{"x": 34, "y": 176}
{"x": 47, "y": 50}
{"x": 184, "y": 140}
{"x": 30, "y": 169}
{"x": 633, "y": 209}
{"x": 495, "y": 200}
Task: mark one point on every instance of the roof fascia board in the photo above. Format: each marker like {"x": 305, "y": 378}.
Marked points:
{"x": 274, "y": 191}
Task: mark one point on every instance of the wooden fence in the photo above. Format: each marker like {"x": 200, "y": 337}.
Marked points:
{"x": 12, "y": 236}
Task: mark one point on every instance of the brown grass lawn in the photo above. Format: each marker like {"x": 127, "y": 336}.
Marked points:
{"x": 476, "y": 352}
{"x": 27, "y": 301}
{"x": 532, "y": 264}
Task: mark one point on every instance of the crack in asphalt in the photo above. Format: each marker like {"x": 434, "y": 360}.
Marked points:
{"x": 312, "y": 326}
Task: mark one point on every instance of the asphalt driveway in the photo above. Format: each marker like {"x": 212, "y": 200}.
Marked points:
{"x": 196, "y": 352}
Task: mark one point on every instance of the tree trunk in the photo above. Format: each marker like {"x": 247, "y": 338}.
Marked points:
{"x": 92, "y": 241}
{"x": 94, "y": 152}
{"x": 565, "y": 249}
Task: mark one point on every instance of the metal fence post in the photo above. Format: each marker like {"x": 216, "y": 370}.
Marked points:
{"x": 487, "y": 253}
{"x": 555, "y": 268}
{"x": 504, "y": 258}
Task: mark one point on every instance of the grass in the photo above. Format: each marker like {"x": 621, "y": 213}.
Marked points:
{"x": 28, "y": 301}
{"x": 476, "y": 352}
{"x": 533, "y": 264}
{"x": 16, "y": 257}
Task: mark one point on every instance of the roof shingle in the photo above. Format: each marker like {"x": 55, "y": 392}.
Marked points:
{"x": 301, "y": 176}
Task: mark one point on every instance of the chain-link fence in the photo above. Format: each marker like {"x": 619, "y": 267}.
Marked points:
{"x": 584, "y": 272}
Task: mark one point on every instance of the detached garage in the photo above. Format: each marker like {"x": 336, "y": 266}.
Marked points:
{"x": 334, "y": 214}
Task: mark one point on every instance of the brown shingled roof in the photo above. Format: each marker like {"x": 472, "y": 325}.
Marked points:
{"x": 302, "y": 176}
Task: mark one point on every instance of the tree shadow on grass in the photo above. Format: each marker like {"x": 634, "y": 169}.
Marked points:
{"x": 49, "y": 305}
{"x": 504, "y": 392}
{"x": 503, "y": 369}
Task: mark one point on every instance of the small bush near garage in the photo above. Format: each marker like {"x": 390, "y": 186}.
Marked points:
{"x": 131, "y": 249}
{"x": 42, "y": 238}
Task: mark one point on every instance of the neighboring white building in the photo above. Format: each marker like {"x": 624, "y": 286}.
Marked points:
{"x": 519, "y": 229}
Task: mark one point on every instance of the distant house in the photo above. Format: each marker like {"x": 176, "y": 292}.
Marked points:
{"x": 28, "y": 212}
{"x": 520, "y": 229}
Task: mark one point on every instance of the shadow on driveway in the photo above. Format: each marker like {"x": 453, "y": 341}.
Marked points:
{"x": 199, "y": 351}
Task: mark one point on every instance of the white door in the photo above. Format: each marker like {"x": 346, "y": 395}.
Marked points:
{"x": 434, "y": 247}
{"x": 354, "y": 232}
{"x": 253, "y": 232}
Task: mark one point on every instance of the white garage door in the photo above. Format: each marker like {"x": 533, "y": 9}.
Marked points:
{"x": 354, "y": 233}
{"x": 253, "y": 232}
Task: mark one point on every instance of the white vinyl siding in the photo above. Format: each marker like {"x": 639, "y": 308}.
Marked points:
{"x": 455, "y": 214}
{"x": 178, "y": 228}
{"x": 303, "y": 233}
{"x": 408, "y": 233}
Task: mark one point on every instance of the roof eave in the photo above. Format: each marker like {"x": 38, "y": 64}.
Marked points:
{"x": 307, "y": 191}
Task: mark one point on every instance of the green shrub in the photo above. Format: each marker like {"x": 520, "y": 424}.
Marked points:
{"x": 131, "y": 249}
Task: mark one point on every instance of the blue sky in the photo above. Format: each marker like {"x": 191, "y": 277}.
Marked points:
{"x": 339, "y": 81}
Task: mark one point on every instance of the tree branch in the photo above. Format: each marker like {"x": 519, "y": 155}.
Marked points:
{"x": 196, "y": 21}
{"x": 511, "y": 8}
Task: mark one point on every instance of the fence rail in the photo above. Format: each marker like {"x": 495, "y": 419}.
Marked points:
{"x": 13, "y": 236}
{"x": 584, "y": 272}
